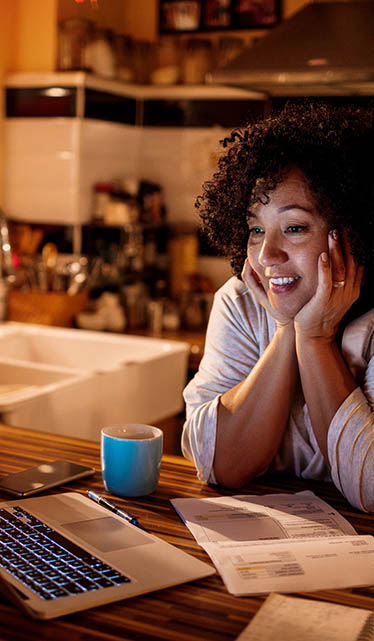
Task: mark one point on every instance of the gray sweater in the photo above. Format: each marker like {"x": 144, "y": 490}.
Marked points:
{"x": 239, "y": 331}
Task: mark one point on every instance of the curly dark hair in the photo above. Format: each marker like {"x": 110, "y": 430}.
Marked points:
{"x": 332, "y": 146}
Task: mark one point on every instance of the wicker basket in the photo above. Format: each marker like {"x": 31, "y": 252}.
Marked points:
{"x": 45, "y": 308}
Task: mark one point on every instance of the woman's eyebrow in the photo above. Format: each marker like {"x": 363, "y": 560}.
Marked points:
{"x": 309, "y": 210}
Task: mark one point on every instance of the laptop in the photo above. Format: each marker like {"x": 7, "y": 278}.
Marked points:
{"x": 63, "y": 553}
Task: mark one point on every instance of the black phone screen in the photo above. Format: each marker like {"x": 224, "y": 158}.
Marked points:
{"x": 46, "y": 475}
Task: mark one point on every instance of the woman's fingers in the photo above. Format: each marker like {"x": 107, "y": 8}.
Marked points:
{"x": 337, "y": 259}
{"x": 346, "y": 273}
{"x": 339, "y": 284}
{"x": 325, "y": 281}
{"x": 354, "y": 273}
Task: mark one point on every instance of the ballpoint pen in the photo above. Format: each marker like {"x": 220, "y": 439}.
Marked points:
{"x": 113, "y": 508}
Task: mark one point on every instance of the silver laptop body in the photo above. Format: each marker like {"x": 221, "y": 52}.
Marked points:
{"x": 149, "y": 562}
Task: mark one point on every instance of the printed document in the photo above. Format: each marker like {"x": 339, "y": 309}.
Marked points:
{"x": 286, "y": 618}
{"x": 278, "y": 542}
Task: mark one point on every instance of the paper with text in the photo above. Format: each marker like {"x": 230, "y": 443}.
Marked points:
{"x": 247, "y": 517}
{"x": 278, "y": 542}
{"x": 287, "y": 618}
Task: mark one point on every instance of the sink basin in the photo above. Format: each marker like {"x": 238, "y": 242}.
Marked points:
{"x": 72, "y": 381}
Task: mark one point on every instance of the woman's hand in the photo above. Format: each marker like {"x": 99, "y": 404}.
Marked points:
{"x": 254, "y": 286}
{"x": 339, "y": 283}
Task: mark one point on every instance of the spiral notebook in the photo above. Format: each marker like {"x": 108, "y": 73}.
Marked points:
{"x": 286, "y": 618}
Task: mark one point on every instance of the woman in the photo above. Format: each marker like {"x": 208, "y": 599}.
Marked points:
{"x": 286, "y": 383}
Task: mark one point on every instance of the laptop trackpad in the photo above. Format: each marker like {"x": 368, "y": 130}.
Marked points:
{"x": 107, "y": 534}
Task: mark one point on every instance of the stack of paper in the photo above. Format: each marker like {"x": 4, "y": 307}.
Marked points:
{"x": 279, "y": 542}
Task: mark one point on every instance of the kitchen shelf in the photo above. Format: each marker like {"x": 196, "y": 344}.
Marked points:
{"x": 84, "y": 80}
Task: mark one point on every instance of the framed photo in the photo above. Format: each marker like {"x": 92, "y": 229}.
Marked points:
{"x": 216, "y": 14}
{"x": 249, "y": 14}
{"x": 181, "y": 16}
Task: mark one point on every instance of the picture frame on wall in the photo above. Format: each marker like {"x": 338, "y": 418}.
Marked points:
{"x": 216, "y": 14}
{"x": 183, "y": 16}
{"x": 180, "y": 15}
{"x": 249, "y": 14}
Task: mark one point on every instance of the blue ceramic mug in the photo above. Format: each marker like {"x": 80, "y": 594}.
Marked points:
{"x": 131, "y": 458}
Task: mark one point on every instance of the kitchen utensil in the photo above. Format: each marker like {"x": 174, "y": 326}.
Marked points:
{"x": 49, "y": 258}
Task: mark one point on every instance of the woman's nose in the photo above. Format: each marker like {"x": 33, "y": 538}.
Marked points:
{"x": 272, "y": 253}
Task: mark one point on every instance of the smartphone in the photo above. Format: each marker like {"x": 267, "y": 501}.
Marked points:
{"x": 40, "y": 478}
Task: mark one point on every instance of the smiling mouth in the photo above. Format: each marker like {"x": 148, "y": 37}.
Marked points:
{"x": 284, "y": 280}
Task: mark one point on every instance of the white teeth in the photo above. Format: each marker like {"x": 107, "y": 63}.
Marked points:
{"x": 283, "y": 281}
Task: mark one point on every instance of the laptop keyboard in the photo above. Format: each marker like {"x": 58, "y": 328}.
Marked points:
{"x": 48, "y": 563}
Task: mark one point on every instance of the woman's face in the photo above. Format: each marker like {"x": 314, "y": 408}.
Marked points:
{"x": 286, "y": 237}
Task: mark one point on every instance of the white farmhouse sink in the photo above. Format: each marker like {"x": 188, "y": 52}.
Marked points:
{"x": 72, "y": 381}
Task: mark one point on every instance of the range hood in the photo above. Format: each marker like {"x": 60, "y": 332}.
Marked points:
{"x": 326, "y": 48}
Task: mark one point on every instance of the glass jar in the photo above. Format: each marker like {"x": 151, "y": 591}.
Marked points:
{"x": 142, "y": 60}
{"x": 99, "y": 54}
{"x": 166, "y": 69}
{"x": 123, "y": 47}
{"x": 182, "y": 253}
{"x": 73, "y": 37}
{"x": 228, "y": 49}
{"x": 197, "y": 61}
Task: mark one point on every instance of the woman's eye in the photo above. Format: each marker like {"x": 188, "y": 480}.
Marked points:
{"x": 295, "y": 229}
{"x": 255, "y": 231}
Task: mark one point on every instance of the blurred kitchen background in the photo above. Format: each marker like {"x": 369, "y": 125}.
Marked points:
{"x": 109, "y": 126}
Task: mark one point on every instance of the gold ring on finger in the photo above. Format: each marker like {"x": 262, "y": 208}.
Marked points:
{"x": 338, "y": 283}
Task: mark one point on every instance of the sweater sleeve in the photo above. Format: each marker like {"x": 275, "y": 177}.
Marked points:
{"x": 231, "y": 351}
{"x": 351, "y": 445}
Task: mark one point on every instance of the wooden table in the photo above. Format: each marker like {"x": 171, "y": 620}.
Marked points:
{"x": 198, "y": 611}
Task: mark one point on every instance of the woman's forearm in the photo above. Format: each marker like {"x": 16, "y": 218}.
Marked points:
{"x": 253, "y": 415}
{"x": 326, "y": 382}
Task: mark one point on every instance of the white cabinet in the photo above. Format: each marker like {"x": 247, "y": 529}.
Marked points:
{"x": 66, "y": 131}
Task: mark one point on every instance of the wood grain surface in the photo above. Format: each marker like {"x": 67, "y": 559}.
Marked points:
{"x": 199, "y": 611}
